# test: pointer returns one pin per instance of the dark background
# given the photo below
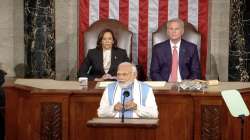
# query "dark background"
(247, 32)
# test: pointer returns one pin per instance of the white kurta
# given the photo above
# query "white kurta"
(148, 111)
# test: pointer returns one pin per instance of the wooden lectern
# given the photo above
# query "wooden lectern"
(114, 129)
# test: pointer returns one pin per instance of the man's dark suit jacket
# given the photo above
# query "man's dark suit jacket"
(93, 63)
(161, 63)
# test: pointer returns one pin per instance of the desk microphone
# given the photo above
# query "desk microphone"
(125, 94)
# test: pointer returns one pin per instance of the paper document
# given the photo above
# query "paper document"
(103, 84)
(156, 84)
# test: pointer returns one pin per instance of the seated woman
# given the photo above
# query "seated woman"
(102, 62)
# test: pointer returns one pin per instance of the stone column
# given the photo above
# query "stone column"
(39, 30)
(66, 39)
(238, 51)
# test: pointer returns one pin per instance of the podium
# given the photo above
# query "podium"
(114, 129)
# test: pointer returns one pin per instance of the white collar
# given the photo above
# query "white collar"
(107, 51)
(177, 44)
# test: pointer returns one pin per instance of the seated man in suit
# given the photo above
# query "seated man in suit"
(175, 59)
(101, 63)
(140, 102)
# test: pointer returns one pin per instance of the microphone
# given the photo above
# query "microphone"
(125, 94)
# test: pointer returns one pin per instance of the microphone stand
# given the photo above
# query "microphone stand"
(242, 126)
(123, 109)
(125, 94)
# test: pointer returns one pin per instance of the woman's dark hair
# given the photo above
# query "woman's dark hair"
(100, 36)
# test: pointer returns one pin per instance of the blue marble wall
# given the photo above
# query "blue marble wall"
(239, 68)
(39, 38)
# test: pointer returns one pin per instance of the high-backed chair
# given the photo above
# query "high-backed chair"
(190, 34)
(121, 33)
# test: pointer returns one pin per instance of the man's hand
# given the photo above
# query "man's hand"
(118, 107)
(130, 105)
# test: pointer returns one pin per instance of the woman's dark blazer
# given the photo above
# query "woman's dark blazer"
(92, 67)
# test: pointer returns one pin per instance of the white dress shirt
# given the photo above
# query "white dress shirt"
(106, 60)
(148, 111)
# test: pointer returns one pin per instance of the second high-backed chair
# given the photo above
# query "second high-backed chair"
(190, 34)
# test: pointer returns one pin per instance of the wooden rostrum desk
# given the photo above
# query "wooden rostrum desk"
(114, 129)
(33, 113)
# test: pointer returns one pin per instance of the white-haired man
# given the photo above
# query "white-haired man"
(175, 59)
(139, 104)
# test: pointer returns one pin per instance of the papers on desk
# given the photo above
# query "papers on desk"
(153, 84)
(208, 82)
(103, 84)
(156, 84)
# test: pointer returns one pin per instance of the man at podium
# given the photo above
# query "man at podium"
(128, 95)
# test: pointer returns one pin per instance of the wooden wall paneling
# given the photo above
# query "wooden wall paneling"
(82, 109)
(246, 97)
(207, 116)
(12, 111)
(176, 116)
(51, 117)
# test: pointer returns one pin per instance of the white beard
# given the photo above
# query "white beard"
(124, 84)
